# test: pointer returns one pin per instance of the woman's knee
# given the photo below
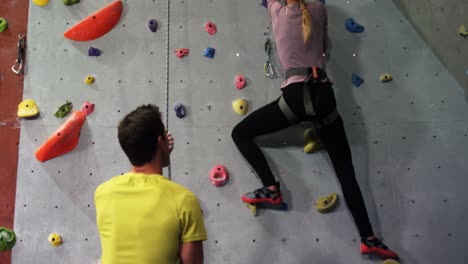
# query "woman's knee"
(236, 133)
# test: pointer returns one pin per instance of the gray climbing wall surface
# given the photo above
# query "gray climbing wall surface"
(408, 137)
(438, 22)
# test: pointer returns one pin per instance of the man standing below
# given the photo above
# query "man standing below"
(142, 217)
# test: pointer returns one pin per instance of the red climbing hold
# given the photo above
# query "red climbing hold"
(87, 108)
(97, 24)
(219, 175)
(64, 140)
(182, 52)
(240, 82)
(210, 27)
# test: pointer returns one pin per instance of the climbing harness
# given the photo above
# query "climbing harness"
(16, 68)
(268, 68)
(317, 75)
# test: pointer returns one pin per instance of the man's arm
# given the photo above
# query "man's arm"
(191, 252)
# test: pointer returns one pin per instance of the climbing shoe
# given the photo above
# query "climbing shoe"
(375, 246)
(264, 195)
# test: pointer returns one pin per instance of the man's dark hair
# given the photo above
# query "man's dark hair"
(138, 134)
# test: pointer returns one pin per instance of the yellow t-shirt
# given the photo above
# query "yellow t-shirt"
(143, 219)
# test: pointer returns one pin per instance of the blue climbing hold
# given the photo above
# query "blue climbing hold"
(153, 25)
(209, 52)
(265, 3)
(94, 52)
(357, 80)
(353, 27)
(323, 1)
(180, 110)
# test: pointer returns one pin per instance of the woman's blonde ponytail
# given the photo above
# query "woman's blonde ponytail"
(306, 23)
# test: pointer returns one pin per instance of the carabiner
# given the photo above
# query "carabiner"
(269, 72)
(268, 68)
(16, 68)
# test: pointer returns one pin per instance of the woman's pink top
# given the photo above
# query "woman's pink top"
(287, 28)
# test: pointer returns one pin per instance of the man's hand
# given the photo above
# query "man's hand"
(171, 141)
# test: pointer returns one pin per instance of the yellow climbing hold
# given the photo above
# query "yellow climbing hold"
(41, 2)
(240, 106)
(89, 80)
(55, 240)
(390, 261)
(312, 141)
(463, 31)
(327, 203)
(253, 209)
(386, 77)
(28, 108)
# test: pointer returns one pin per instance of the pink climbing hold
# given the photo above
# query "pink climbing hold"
(87, 108)
(219, 175)
(210, 27)
(240, 82)
(182, 52)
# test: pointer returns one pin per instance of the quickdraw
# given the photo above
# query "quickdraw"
(16, 68)
(268, 68)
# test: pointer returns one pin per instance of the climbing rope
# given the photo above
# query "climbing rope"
(167, 77)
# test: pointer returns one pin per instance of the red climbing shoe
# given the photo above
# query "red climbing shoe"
(264, 195)
(375, 246)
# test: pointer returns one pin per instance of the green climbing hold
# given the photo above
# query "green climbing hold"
(64, 110)
(3, 24)
(70, 2)
(7, 239)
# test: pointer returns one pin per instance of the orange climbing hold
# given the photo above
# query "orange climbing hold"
(97, 24)
(64, 139)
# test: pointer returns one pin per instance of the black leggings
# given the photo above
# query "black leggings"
(270, 118)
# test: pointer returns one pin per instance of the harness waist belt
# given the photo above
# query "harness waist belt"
(317, 73)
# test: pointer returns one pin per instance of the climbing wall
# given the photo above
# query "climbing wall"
(407, 136)
(439, 25)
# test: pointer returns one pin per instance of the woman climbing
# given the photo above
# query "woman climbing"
(300, 31)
